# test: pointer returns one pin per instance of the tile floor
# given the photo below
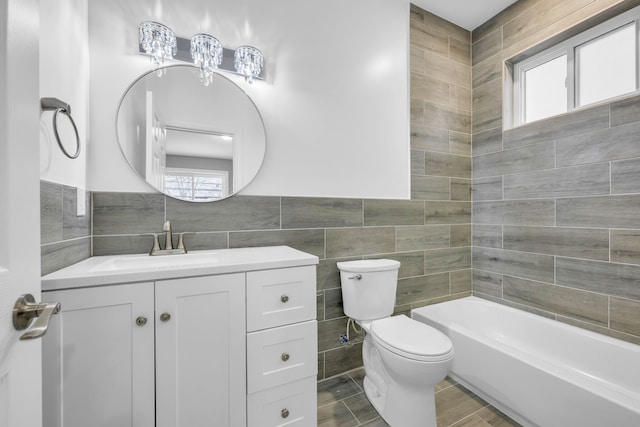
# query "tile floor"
(342, 403)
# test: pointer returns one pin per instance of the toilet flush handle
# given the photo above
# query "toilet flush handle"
(356, 277)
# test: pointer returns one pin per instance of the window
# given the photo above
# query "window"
(596, 65)
(545, 89)
(196, 185)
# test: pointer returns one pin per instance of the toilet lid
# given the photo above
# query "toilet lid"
(412, 339)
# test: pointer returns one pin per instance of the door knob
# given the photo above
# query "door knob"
(165, 317)
(26, 309)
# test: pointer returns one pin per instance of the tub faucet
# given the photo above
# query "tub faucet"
(168, 242)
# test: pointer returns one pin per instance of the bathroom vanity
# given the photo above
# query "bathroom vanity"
(224, 338)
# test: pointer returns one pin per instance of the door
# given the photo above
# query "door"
(201, 352)
(156, 146)
(98, 358)
(20, 361)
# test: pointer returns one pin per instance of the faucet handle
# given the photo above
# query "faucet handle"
(181, 245)
(156, 243)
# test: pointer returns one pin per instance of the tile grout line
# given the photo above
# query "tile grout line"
(471, 415)
(350, 411)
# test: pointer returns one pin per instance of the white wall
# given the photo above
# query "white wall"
(335, 100)
(64, 74)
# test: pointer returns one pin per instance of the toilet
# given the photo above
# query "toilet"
(403, 359)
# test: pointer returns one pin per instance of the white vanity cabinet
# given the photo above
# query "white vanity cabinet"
(200, 351)
(102, 357)
(98, 355)
(230, 345)
(282, 347)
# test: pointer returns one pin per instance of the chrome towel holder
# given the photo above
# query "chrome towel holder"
(61, 107)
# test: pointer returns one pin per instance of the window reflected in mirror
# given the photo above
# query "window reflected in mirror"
(188, 141)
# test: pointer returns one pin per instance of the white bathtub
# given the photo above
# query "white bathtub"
(539, 371)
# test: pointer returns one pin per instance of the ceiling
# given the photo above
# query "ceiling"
(467, 14)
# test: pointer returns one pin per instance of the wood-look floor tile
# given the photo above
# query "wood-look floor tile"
(472, 421)
(335, 389)
(336, 415)
(342, 402)
(496, 418)
(378, 422)
(455, 403)
(360, 406)
(358, 376)
(445, 383)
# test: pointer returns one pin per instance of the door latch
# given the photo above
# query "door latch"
(26, 309)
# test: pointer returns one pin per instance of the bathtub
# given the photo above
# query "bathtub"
(539, 371)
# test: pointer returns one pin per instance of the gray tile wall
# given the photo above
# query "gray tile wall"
(556, 203)
(436, 259)
(429, 234)
(65, 238)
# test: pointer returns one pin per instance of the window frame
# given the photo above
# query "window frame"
(568, 47)
(223, 175)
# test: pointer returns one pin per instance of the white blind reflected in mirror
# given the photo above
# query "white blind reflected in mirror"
(607, 66)
(546, 89)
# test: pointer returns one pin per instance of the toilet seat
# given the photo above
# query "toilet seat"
(411, 339)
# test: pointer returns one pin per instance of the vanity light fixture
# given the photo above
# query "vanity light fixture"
(248, 61)
(158, 41)
(202, 50)
(206, 52)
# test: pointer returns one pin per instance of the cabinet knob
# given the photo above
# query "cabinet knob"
(284, 357)
(284, 298)
(165, 317)
(284, 413)
(141, 321)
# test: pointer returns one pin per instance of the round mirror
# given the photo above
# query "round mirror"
(190, 141)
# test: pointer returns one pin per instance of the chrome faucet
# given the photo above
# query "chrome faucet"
(168, 242)
(168, 236)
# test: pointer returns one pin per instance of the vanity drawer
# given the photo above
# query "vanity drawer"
(293, 404)
(280, 297)
(280, 355)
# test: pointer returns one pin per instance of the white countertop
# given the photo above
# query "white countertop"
(115, 269)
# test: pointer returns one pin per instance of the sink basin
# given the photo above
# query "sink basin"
(162, 262)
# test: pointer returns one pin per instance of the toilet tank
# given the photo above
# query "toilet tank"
(369, 287)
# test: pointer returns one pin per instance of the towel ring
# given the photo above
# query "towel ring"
(61, 107)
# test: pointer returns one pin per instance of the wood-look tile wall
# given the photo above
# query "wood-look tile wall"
(65, 238)
(429, 234)
(436, 259)
(556, 203)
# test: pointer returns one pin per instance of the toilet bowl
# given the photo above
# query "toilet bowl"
(403, 359)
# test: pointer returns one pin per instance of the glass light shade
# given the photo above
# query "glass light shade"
(206, 52)
(158, 41)
(249, 62)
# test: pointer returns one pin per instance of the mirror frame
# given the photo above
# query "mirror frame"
(216, 75)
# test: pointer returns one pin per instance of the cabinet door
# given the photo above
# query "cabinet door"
(98, 358)
(201, 352)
